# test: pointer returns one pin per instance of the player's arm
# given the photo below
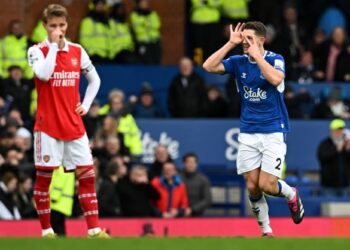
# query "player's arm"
(43, 67)
(214, 63)
(94, 83)
(271, 74)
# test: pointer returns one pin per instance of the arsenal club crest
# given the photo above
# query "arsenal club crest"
(74, 61)
(46, 158)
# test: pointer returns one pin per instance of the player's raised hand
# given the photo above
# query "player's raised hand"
(253, 50)
(236, 36)
(80, 109)
(56, 36)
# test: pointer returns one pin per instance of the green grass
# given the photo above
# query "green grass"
(174, 244)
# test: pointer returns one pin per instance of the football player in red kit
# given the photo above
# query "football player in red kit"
(59, 133)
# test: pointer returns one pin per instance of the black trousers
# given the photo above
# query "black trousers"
(58, 222)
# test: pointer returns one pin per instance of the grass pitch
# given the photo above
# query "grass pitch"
(174, 244)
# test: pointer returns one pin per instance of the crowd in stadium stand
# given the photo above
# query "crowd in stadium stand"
(313, 38)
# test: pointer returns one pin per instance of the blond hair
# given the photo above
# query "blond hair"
(54, 10)
(116, 93)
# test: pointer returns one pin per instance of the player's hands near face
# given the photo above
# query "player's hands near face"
(253, 50)
(80, 109)
(236, 36)
(56, 36)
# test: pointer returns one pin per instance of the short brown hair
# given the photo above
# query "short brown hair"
(54, 10)
(258, 27)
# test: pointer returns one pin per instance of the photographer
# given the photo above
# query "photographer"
(334, 157)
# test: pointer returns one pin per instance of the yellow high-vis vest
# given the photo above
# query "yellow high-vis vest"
(14, 53)
(235, 9)
(94, 37)
(62, 191)
(203, 13)
(120, 36)
(146, 27)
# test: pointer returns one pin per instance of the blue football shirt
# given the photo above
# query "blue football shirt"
(262, 105)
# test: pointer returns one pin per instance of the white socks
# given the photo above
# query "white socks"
(45, 232)
(285, 190)
(93, 231)
(261, 212)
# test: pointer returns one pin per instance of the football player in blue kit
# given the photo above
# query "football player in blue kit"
(259, 76)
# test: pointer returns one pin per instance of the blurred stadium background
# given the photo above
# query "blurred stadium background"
(311, 35)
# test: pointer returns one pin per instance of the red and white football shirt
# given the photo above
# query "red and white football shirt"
(58, 97)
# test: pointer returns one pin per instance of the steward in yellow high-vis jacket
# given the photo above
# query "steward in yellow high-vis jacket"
(14, 48)
(146, 25)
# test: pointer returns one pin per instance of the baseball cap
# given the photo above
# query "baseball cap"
(337, 124)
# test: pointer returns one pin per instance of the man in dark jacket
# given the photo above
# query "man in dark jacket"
(137, 195)
(17, 91)
(197, 185)
(108, 198)
(187, 93)
(334, 157)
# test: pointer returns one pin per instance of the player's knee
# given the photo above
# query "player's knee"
(268, 186)
(253, 187)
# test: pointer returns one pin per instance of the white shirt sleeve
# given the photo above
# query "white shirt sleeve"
(94, 82)
(43, 67)
(86, 64)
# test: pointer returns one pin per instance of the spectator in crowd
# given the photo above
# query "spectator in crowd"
(291, 39)
(108, 198)
(334, 157)
(331, 18)
(23, 141)
(17, 91)
(111, 149)
(173, 200)
(234, 104)
(25, 197)
(161, 156)
(186, 93)
(306, 103)
(291, 101)
(137, 195)
(94, 32)
(92, 120)
(145, 24)
(205, 19)
(7, 140)
(126, 122)
(122, 44)
(146, 106)
(8, 187)
(333, 106)
(304, 72)
(14, 50)
(197, 185)
(330, 56)
(216, 106)
(108, 130)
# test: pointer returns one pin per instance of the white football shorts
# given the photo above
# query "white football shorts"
(261, 150)
(50, 153)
